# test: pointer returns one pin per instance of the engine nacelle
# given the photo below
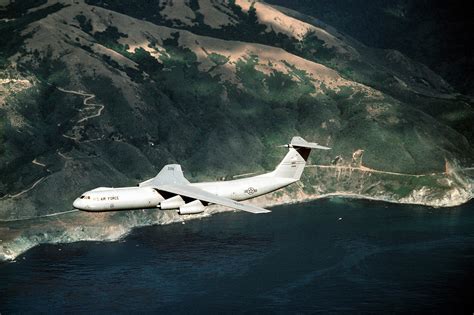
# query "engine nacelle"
(172, 203)
(193, 207)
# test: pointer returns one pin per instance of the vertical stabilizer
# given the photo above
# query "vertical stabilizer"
(293, 163)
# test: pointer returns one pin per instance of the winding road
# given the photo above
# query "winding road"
(370, 170)
(87, 98)
(87, 104)
(32, 186)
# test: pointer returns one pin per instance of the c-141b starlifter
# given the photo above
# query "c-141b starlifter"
(171, 190)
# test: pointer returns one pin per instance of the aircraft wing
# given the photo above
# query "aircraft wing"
(199, 194)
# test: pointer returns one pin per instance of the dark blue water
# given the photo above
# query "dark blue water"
(302, 258)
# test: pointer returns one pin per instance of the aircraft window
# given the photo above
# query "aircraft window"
(82, 197)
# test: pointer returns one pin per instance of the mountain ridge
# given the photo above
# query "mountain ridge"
(93, 97)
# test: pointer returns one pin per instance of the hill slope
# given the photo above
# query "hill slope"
(93, 97)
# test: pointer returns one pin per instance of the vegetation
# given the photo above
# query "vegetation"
(179, 113)
(84, 23)
(312, 48)
(246, 29)
(194, 107)
(47, 114)
(429, 31)
(189, 107)
(16, 9)
(219, 60)
(381, 28)
(249, 29)
(11, 39)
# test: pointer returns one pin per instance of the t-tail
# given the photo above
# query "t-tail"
(292, 165)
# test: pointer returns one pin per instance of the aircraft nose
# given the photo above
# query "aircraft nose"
(78, 204)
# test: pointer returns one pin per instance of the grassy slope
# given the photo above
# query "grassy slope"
(188, 112)
(374, 69)
(432, 32)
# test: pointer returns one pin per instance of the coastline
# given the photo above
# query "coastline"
(18, 236)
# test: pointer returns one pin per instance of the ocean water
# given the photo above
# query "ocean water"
(334, 255)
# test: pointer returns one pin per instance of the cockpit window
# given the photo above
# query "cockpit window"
(85, 197)
(82, 197)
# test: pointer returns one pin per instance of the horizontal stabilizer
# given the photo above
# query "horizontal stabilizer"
(298, 142)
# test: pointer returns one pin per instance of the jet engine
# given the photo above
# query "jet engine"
(192, 207)
(172, 203)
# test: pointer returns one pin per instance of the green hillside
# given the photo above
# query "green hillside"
(179, 97)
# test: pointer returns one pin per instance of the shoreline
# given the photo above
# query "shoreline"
(388, 200)
(11, 249)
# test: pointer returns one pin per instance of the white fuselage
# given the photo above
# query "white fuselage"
(110, 199)
(245, 188)
(169, 189)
